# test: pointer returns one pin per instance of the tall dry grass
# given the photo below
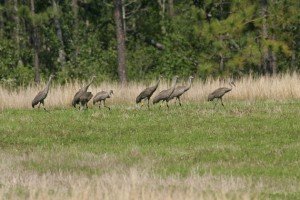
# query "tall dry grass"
(17, 182)
(280, 87)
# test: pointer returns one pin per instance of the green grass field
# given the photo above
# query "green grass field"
(256, 143)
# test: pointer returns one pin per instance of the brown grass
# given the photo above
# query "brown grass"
(280, 87)
(17, 182)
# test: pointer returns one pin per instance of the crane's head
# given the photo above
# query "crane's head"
(191, 77)
(210, 97)
(111, 92)
(232, 83)
(52, 76)
(175, 79)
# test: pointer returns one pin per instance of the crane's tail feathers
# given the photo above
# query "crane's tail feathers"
(155, 101)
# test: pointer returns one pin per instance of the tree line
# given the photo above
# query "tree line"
(139, 39)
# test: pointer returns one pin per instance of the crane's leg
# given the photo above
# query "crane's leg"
(148, 103)
(222, 102)
(99, 104)
(167, 104)
(142, 102)
(215, 101)
(39, 105)
(161, 104)
(105, 105)
(175, 102)
(179, 100)
(81, 106)
(43, 105)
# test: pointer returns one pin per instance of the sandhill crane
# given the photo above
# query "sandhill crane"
(147, 93)
(80, 92)
(84, 99)
(220, 92)
(102, 96)
(165, 94)
(41, 96)
(180, 90)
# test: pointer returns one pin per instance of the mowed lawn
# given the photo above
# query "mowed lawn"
(254, 141)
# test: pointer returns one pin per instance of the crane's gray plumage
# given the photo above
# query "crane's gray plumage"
(41, 96)
(102, 96)
(84, 99)
(165, 94)
(82, 91)
(220, 92)
(180, 90)
(147, 93)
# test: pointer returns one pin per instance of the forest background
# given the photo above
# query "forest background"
(135, 40)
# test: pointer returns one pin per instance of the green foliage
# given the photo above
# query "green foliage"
(194, 42)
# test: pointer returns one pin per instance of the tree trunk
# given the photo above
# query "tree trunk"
(162, 14)
(1, 24)
(124, 18)
(62, 53)
(264, 32)
(75, 8)
(75, 28)
(269, 63)
(35, 41)
(273, 60)
(37, 78)
(17, 27)
(170, 8)
(269, 60)
(121, 41)
(221, 64)
(293, 61)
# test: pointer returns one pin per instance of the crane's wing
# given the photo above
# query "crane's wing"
(145, 93)
(177, 92)
(100, 96)
(76, 98)
(39, 97)
(86, 96)
(220, 92)
(163, 95)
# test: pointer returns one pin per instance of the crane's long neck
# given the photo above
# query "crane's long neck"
(157, 83)
(190, 84)
(174, 84)
(48, 84)
(88, 85)
(230, 86)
